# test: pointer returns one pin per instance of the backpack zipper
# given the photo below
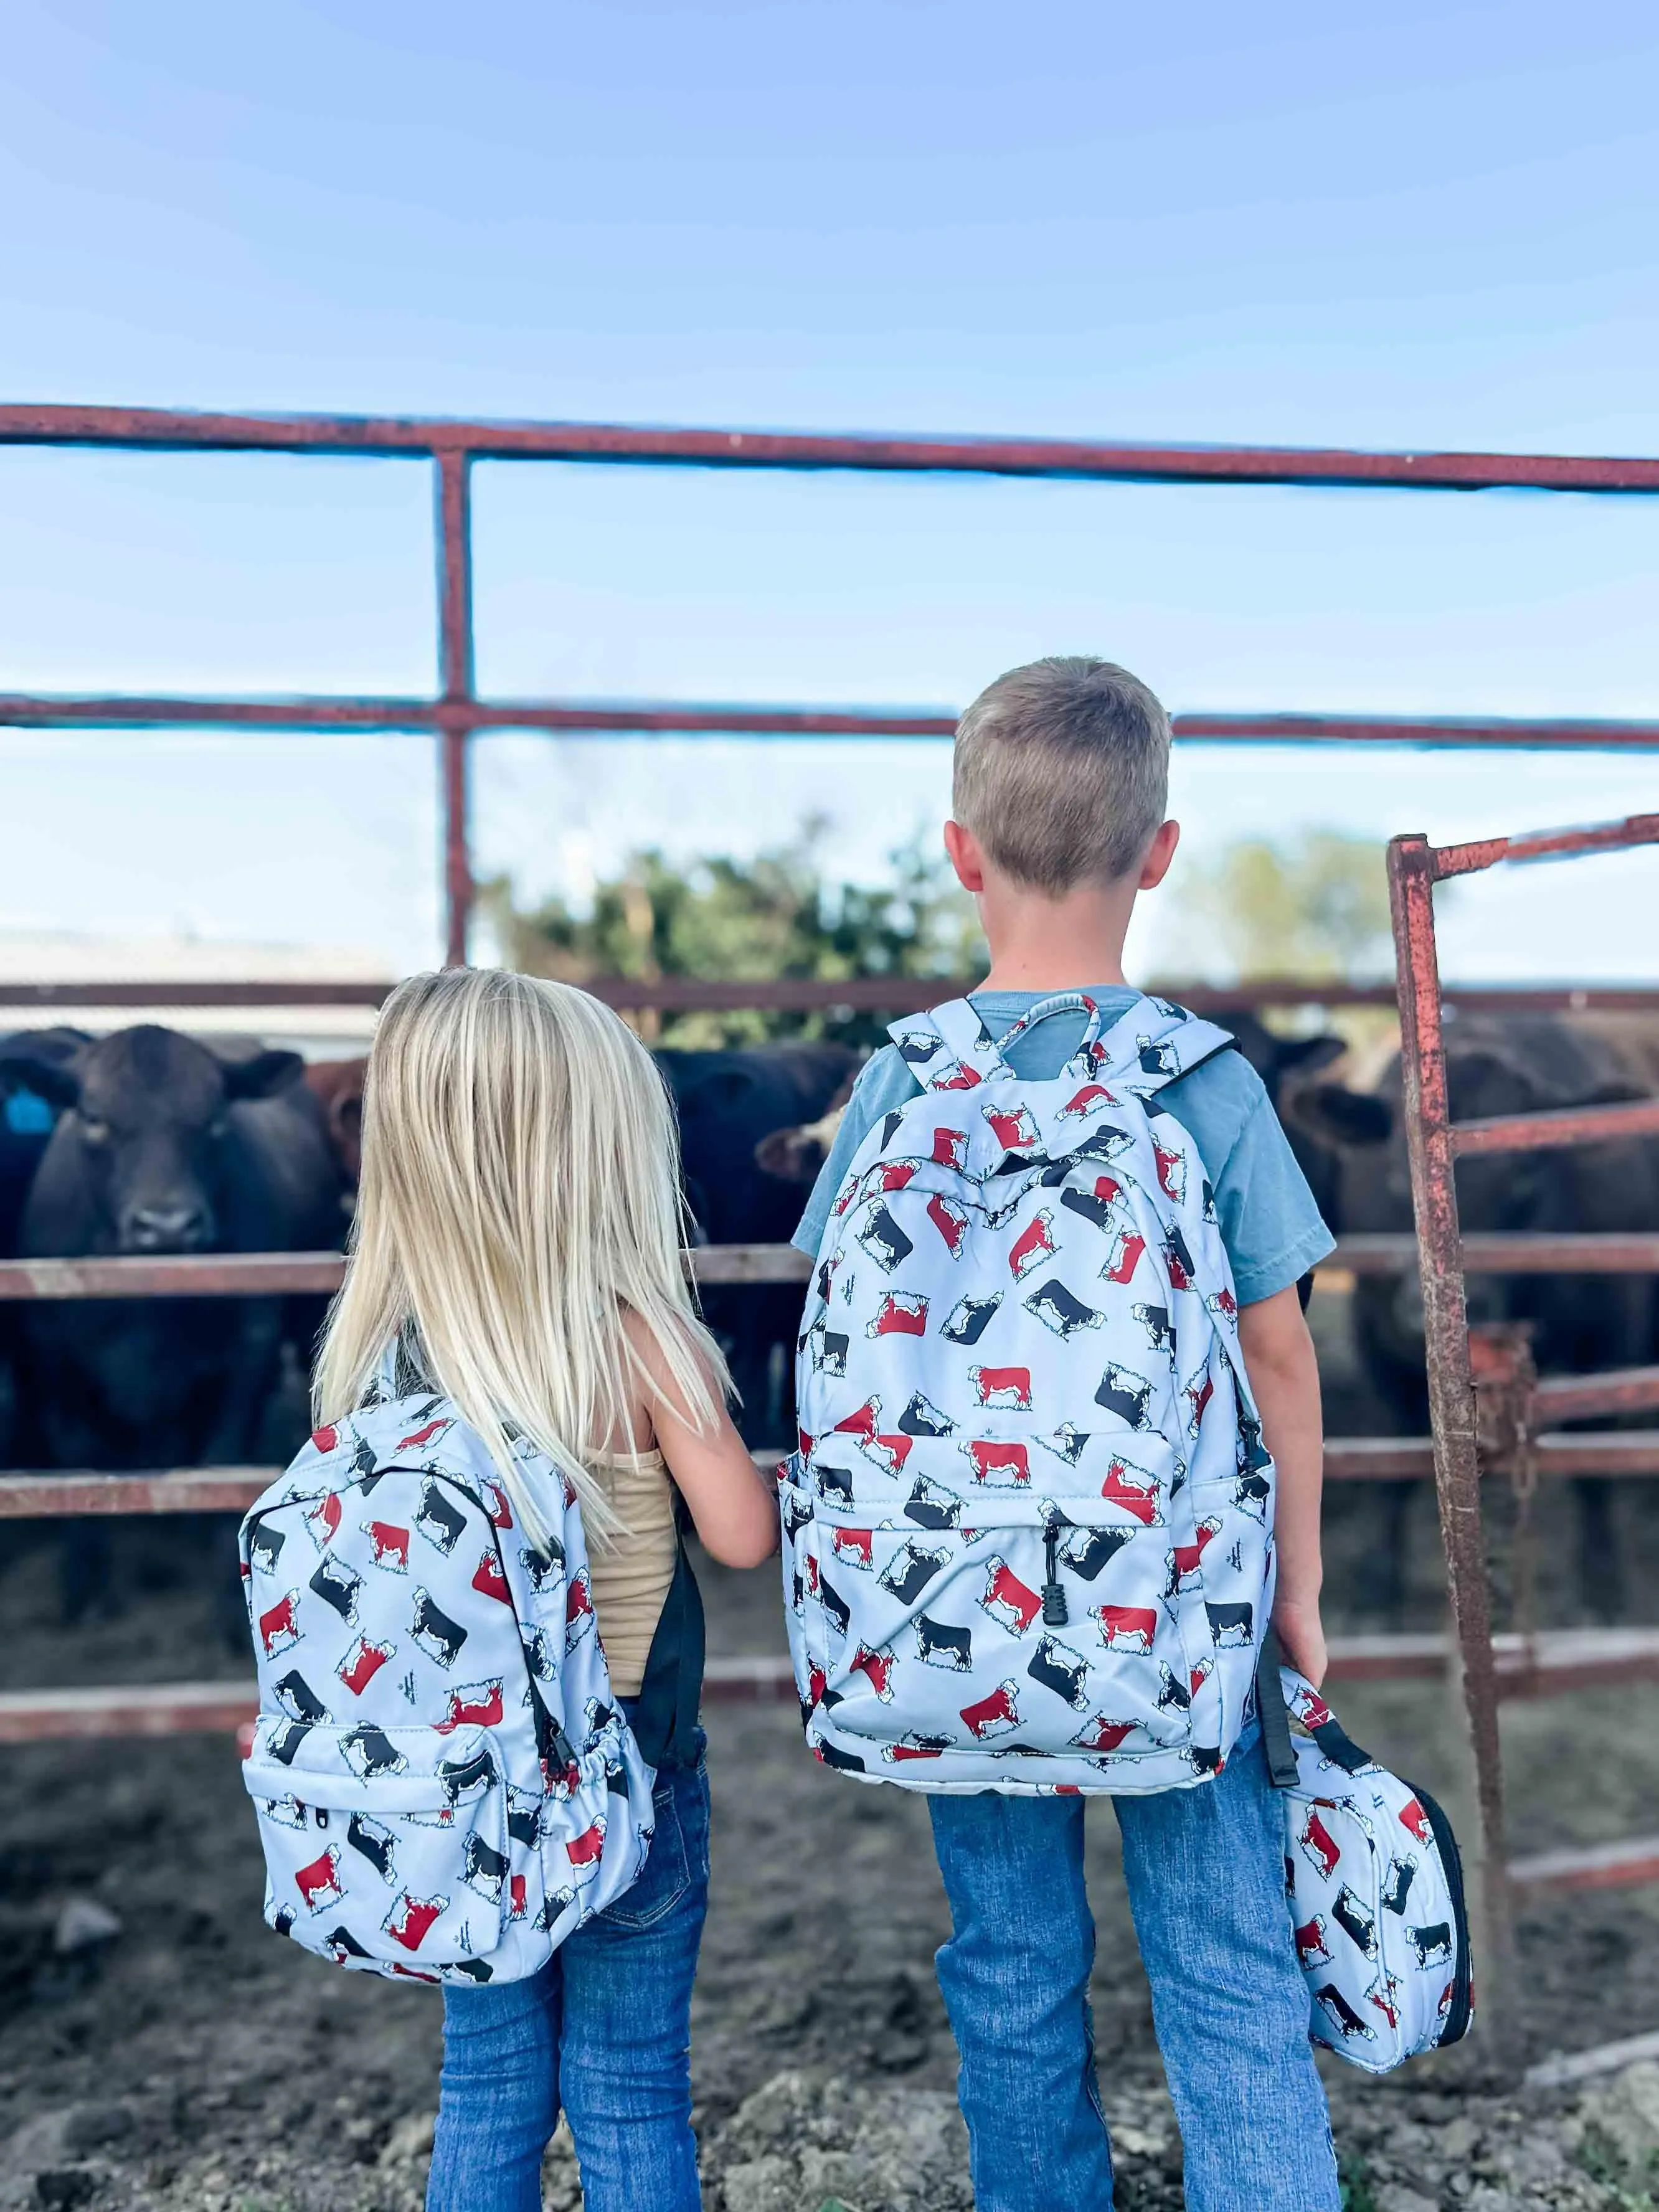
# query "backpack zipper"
(1056, 1613)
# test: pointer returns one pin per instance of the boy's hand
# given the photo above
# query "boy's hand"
(1302, 1636)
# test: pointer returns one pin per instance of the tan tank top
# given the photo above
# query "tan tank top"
(630, 1575)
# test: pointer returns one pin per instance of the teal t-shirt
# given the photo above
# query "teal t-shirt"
(1269, 1222)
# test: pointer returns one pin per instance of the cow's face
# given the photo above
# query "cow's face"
(147, 1112)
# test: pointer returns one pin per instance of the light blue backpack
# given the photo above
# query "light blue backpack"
(445, 1787)
(1029, 1526)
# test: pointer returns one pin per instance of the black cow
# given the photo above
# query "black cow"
(161, 1147)
(1510, 1064)
(727, 1102)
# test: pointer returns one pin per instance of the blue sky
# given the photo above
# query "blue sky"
(1433, 226)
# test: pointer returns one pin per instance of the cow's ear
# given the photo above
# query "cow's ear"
(1336, 1116)
(47, 1065)
(263, 1074)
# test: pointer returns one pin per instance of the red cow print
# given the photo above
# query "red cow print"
(1311, 1949)
(961, 1078)
(1015, 1132)
(1127, 1627)
(1322, 1850)
(1224, 1303)
(586, 1850)
(1136, 1497)
(1198, 1394)
(863, 1422)
(1002, 1464)
(1172, 1172)
(479, 1705)
(1184, 1561)
(489, 1580)
(1008, 1599)
(894, 1174)
(279, 1626)
(388, 1545)
(1103, 1734)
(851, 1547)
(501, 1512)
(1411, 1817)
(877, 1669)
(517, 1897)
(363, 1663)
(424, 1436)
(950, 1149)
(1033, 1245)
(915, 1746)
(578, 1608)
(323, 1520)
(995, 1715)
(901, 1313)
(888, 1453)
(319, 1884)
(326, 1438)
(409, 1921)
(1124, 1257)
(1002, 1386)
(1089, 1100)
(951, 1222)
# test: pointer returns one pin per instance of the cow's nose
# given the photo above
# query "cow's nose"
(166, 1228)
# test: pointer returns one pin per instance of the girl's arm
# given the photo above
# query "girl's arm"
(736, 1512)
(1278, 1358)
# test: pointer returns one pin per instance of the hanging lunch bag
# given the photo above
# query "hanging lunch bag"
(1375, 1886)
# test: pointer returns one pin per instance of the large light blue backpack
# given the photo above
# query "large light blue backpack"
(1029, 1526)
(445, 1784)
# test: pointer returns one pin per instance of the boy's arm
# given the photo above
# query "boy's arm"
(1278, 1358)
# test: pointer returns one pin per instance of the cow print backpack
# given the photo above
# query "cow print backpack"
(1028, 1528)
(1375, 1885)
(446, 1787)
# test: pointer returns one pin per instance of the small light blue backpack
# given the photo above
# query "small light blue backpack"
(446, 1786)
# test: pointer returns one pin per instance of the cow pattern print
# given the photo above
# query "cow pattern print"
(1027, 1527)
(445, 1786)
(1375, 1894)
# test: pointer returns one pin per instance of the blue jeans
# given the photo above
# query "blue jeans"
(605, 2030)
(1206, 1874)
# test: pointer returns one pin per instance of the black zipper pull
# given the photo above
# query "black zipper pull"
(1054, 1613)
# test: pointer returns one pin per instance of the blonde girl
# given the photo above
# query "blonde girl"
(518, 1241)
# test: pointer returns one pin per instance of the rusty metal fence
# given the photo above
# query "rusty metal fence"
(1517, 1665)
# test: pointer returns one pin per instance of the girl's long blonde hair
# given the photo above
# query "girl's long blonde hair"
(520, 1202)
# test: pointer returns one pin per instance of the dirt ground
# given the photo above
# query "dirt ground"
(159, 2048)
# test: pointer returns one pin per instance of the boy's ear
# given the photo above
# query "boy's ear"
(1155, 865)
(965, 856)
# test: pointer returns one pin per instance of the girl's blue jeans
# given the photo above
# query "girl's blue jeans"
(1206, 1874)
(604, 2033)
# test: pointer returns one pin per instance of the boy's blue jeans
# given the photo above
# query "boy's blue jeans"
(1206, 1874)
(603, 2031)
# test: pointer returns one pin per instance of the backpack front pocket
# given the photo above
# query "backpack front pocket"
(383, 1847)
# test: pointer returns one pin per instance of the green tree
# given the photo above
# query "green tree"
(725, 920)
(1315, 906)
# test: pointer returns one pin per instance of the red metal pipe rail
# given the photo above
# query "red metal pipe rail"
(267, 1274)
(895, 995)
(451, 447)
(438, 437)
(1434, 1143)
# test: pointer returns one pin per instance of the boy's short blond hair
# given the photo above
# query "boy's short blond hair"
(1062, 771)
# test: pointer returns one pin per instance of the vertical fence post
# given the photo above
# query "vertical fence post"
(1451, 1388)
(456, 685)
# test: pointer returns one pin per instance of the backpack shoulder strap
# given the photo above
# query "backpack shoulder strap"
(948, 1048)
(1154, 1042)
(665, 1716)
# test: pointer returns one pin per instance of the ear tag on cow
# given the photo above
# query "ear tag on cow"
(1054, 1613)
